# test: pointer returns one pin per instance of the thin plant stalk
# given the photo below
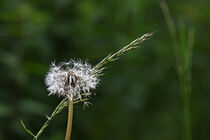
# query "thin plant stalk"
(182, 42)
(185, 83)
(58, 109)
(70, 119)
(64, 103)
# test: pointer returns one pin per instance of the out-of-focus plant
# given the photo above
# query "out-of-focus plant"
(182, 42)
(74, 81)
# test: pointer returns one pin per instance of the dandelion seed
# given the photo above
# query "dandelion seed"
(86, 104)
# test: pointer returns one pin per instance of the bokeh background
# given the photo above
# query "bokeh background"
(138, 97)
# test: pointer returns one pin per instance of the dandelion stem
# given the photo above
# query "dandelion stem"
(70, 118)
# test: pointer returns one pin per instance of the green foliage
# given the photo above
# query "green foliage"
(138, 98)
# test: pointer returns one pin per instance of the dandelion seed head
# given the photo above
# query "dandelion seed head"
(72, 79)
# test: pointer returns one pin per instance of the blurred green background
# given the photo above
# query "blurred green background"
(138, 97)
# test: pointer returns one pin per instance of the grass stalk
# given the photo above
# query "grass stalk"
(182, 41)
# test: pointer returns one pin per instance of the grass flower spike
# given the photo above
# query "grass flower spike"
(74, 80)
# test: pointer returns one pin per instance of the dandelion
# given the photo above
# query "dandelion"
(74, 80)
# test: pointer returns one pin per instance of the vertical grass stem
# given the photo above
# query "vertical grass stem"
(183, 44)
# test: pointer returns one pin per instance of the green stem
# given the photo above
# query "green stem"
(185, 93)
(58, 109)
(183, 55)
(70, 118)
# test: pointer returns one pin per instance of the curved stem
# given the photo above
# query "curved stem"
(70, 118)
